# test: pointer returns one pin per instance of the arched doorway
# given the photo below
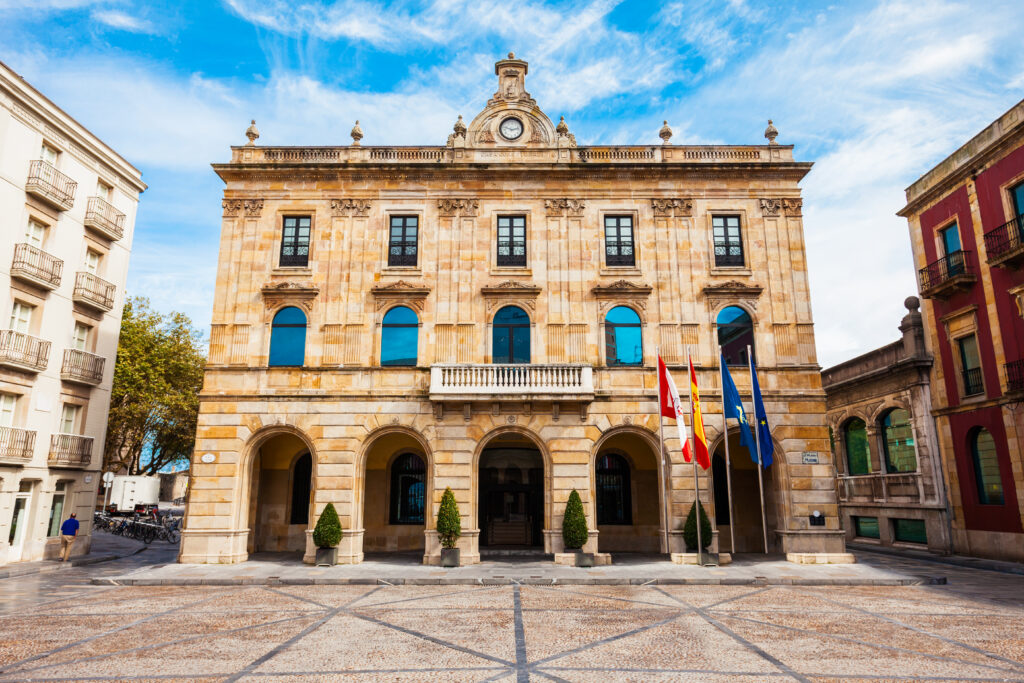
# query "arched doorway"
(395, 485)
(280, 492)
(510, 494)
(746, 499)
(626, 495)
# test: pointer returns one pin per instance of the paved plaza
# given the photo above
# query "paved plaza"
(63, 626)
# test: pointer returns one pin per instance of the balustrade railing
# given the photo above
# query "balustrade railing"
(36, 265)
(23, 351)
(81, 366)
(102, 216)
(517, 379)
(16, 444)
(905, 487)
(941, 272)
(974, 383)
(70, 450)
(94, 291)
(47, 182)
(1005, 240)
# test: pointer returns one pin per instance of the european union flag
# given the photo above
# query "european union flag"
(733, 407)
(764, 434)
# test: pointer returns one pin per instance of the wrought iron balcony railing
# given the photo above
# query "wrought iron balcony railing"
(16, 445)
(23, 351)
(728, 255)
(82, 367)
(618, 253)
(50, 185)
(102, 217)
(1015, 375)
(36, 266)
(950, 273)
(402, 254)
(1005, 244)
(93, 291)
(70, 450)
(484, 382)
(974, 384)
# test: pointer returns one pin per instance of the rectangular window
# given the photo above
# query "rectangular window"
(909, 531)
(866, 527)
(21, 317)
(57, 509)
(512, 241)
(48, 154)
(8, 402)
(35, 233)
(618, 241)
(950, 240)
(970, 365)
(80, 337)
(1018, 200)
(295, 241)
(728, 241)
(92, 261)
(402, 240)
(69, 419)
(103, 191)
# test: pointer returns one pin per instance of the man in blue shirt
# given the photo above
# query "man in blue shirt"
(68, 533)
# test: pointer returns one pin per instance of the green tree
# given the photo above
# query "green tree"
(154, 401)
(327, 532)
(690, 529)
(574, 523)
(449, 522)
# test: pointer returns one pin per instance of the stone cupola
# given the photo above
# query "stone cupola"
(511, 117)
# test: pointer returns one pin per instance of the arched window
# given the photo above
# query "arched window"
(623, 340)
(898, 442)
(288, 337)
(614, 502)
(408, 489)
(511, 336)
(302, 480)
(986, 468)
(735, 334)
(855, 438)
(398, 337)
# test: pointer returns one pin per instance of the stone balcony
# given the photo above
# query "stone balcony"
(70, 450)
(102, 217)
(23, 351)
(16, 445)
(516, 382)
(881, 487)
(93, 291)
(82, 367)
(35, 266)
(53, 187)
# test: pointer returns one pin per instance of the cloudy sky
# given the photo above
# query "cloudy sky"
(875, 93)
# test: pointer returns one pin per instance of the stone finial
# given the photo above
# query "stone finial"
(252, 133)
(562, 128)
(511, 55)
(357, 134)
(460, 127)
(771, 132)
(912, 304)
(665, 133)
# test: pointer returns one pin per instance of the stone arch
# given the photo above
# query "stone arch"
(890, 403)
(528, 435)
(646, 531)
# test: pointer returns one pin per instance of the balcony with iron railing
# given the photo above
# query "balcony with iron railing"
(1015, 376)
(974, 382)
(82, 367)
(16, 445)
(728, 255)
(951, 273)
(102, 217)
(23, 351)
(619, 253)
(882, 487)
(50, 185)
(34, 265)
(469, 382)
(93, 291)
(70, 450)
(402, 254)
(1005, 244)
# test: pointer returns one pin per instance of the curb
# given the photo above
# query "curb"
(490, 581)
(16, 571)
(964, 561)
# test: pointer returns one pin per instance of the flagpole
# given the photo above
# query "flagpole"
(661, 453)
(728, 463)
(693, 453)
(757, 442)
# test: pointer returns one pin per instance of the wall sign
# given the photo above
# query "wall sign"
(810, 458)
(208, 457)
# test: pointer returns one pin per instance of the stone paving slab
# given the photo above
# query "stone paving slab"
(105, 547)
(643, 570)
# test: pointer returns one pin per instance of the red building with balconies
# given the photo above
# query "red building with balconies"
(966, 219)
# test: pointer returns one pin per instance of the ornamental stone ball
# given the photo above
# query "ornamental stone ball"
(665, 134)
(771, 132)
(912, 303)
(252, 133)
(562, 128)
(357, 134)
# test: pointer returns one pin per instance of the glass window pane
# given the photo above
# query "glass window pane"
(866, 527)
(898, 440)
(520, 344)
(56, 513)
(969, 352)
(735, 334)
(287, 346)
(401, 315)
(986, 468)
(909, 530)
(1018, 199)
(951, 239)
(500, 340)
(857, 458)
(398, 345)
(628, 346)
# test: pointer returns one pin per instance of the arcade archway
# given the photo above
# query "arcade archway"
(281, 487)
(510, 493)
(746, 500)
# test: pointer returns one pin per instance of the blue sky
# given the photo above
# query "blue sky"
(874, 92)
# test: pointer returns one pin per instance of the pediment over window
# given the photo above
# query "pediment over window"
(401, 292)
(290, 293)
(511, 292)
(733, 288)
(621, 288)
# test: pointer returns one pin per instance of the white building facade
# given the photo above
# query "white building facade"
(67, 216)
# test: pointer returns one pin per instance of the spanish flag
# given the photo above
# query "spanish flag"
(700, 442)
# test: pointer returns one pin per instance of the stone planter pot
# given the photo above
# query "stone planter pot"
(450, 557)
(584, 559)
(326, 557)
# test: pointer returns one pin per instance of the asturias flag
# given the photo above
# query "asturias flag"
(733, 407)
(700, 442)
(764, 434)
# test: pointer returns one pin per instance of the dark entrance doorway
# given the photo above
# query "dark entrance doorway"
(746, 500)
(511, 503)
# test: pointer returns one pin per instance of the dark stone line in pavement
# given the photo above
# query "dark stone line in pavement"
(388, 603)
(522, 673)
(667, 670)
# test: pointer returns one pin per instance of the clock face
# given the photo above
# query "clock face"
(511, 128)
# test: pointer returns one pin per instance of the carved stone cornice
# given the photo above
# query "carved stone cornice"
(666, 208)
(232, 207)
(291, 293)
(732, 292)
(253, 207)
(458, 207)
(351, 207)
(771, 207)
(512, 293)
(559, 207)
(619, 292)
(793, 207)
(401, 291)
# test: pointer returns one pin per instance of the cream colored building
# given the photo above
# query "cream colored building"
(484, 315)
(67, 211)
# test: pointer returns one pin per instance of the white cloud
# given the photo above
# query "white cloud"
(125, 22)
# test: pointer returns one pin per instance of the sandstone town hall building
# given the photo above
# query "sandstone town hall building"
(485, 315)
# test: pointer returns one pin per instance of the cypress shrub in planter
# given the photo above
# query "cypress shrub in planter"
(327, 536)
(574, 530)
(449, 528)
(690, 530)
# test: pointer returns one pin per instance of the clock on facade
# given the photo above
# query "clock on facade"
(511, 128)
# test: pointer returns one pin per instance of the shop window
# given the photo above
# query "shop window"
(57, 509)
(909, 531)
(866, 527)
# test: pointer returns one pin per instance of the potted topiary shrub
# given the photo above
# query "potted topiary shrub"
(327, 536)
(690, 530)
(449, 528)
(574, 530)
